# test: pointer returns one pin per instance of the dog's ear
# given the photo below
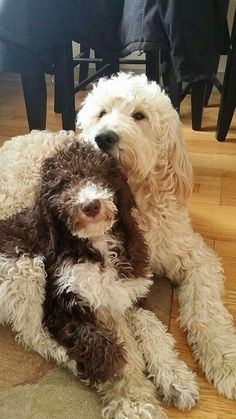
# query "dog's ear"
(17, 234)
(46, 216)
(55, 171)
(179, 165)
(44, 225)
(135, 245)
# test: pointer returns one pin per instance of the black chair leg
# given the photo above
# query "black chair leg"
(57, 98)
(152, 66)
(64, 79)
(115, 65)
(107, 58)
(175, 88)
(208, 91)
(165, 61)
(225, 117)
(228, 99)
(172, 87)
(83, 74)
(84, 67)
(113, 60)
(197, 102)
(98, 54)
(35, 94)
(210, 84)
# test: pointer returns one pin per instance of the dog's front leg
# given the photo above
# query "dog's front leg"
(22, 291)
(211, 334)
(129, 394)
(174, 381)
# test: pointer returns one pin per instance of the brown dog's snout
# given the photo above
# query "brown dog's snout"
(92, 208)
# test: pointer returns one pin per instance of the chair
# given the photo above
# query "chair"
(177, 93)
(228, 98)
(14, 58)
(17, 59)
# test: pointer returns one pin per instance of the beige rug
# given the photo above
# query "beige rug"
(32, 388)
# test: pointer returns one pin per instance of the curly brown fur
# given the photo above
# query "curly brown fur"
(49, 229)
(95, 349)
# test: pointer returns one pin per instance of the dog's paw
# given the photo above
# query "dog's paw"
(131, 409)
(224, 379)
(180, 389)
(226, 385)
(180, 396)
(219, 366)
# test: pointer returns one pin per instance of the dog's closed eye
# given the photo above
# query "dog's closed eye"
(138, 116)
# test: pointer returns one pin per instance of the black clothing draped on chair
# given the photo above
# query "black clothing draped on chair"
(193, 32)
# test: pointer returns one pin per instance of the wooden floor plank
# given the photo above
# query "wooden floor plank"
(214, 164)
(206, 190)
(228, 191)
(216, 222)
(210, 147)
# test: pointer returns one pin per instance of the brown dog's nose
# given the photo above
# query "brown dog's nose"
(92, 208)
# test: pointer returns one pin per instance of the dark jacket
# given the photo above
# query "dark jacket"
(193, 30)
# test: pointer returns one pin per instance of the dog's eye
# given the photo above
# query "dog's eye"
(138, 116)
(101, 114)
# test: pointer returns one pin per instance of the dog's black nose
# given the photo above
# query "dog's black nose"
(106, 140)
(92, 208)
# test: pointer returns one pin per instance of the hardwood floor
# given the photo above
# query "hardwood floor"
(212, 209)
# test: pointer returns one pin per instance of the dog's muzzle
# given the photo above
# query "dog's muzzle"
(106, 140)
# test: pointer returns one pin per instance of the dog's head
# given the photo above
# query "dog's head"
(76, 190)
(133, 120)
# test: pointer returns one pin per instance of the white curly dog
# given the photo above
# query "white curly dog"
(133, 120)
(150, 148)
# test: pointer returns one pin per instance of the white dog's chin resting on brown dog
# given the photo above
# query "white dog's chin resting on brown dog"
(132, 120)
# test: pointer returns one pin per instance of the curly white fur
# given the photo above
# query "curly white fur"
(102, 289)
(175, 382)
(152, 153)
(22, 290)
(20, 163)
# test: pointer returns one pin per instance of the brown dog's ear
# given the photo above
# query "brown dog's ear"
(44, 225)
(46, 218)
(54, 172)
(17, 234)
(30, 231)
